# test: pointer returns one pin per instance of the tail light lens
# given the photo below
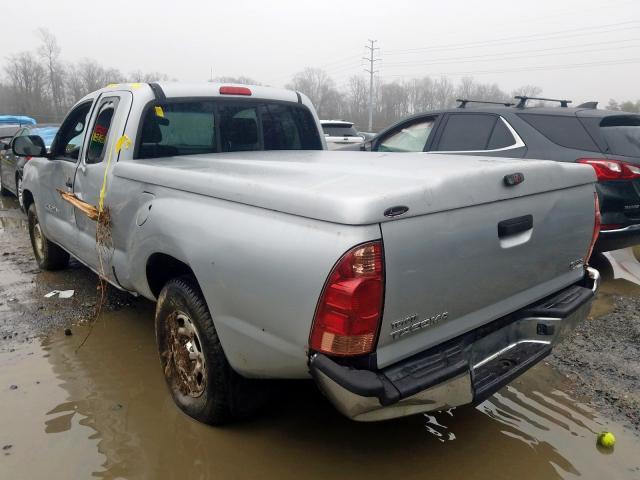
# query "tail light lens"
(612, 169)
(596, 228)
(350, 307)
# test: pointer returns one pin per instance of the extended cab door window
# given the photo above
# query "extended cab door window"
(410, 137)
(100, 132)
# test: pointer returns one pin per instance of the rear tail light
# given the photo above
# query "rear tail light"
(349, 310)
(235, 91)
(612, 169)
(596, 228)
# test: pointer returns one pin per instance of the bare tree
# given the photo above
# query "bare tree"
(318, 86)
(27, 85)
(49, 51)
(240, 80)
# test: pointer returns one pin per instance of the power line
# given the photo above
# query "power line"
(521, 38)
(372, 49)
(509, 56)
(518, 52)
(535, 68)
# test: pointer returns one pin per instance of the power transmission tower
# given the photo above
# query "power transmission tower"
(371, 72)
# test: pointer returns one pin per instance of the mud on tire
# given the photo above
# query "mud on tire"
(48, 255)
(199, 377)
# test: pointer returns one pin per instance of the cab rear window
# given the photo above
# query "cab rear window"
(622, 134)
(211, 126)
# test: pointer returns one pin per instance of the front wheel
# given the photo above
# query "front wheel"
(48, 255)
(199, 377)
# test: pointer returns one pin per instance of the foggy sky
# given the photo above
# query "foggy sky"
(269, 41)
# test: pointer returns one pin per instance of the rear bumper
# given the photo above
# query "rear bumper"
(609, 240)
(464, 370)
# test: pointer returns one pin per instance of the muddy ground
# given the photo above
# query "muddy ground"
(103, 410)
(602, 357)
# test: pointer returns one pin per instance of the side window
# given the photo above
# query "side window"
(563, 130)
(501, 137)
(68, 141)
(100, 132)
(410, 138)
(466, 132)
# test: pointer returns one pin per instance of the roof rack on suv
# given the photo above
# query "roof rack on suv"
(464, 101)
(523, 101)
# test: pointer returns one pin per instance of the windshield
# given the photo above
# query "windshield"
(622, 134)
(339, 130)
(47, 134)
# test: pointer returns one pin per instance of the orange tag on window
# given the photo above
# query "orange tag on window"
(159, 112)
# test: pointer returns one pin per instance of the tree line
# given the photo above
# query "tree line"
(43, 85)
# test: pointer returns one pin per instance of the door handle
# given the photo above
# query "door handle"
(515, 225)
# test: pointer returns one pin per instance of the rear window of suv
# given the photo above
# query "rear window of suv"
(563, 130)
(210, 126)
(622, 134)
(339, 130)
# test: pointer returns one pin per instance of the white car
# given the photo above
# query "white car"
(339, 133)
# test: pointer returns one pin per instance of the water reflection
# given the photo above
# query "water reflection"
(114, 386)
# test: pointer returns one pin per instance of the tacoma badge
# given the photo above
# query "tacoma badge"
(413, 323)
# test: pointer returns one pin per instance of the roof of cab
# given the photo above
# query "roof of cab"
(199, 90)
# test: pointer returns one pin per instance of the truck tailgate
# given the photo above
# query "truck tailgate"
(452, 271)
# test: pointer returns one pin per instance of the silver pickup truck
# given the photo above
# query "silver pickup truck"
(399, 283)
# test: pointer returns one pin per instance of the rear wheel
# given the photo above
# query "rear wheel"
(48, 255)
(198, 375)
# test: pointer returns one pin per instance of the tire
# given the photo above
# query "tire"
(201, 381)
(48, 255)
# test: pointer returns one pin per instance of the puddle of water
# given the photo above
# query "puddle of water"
(105, 411)
(610, 288)
(9, 201)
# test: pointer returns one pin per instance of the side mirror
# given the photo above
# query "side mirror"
(29, 146)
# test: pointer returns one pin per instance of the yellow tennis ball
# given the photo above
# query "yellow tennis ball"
(607, 439)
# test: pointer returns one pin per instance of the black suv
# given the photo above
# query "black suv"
(607, 140)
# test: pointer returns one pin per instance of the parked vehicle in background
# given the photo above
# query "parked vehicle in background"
(607, 140)
(369, 273)
(339, 133)
(11, 166)
(16, 120)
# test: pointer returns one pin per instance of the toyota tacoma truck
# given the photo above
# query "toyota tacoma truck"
(400, 286)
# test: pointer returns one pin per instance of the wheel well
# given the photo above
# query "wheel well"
(27, 199)
(161, 268)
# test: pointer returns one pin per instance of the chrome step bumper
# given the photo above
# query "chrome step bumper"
(467, 369)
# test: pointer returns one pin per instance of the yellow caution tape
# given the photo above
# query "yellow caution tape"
(123, 141)
(159, 112)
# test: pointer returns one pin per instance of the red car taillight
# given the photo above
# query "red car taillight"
(349, 310)
(596, 228)
(612, 169)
